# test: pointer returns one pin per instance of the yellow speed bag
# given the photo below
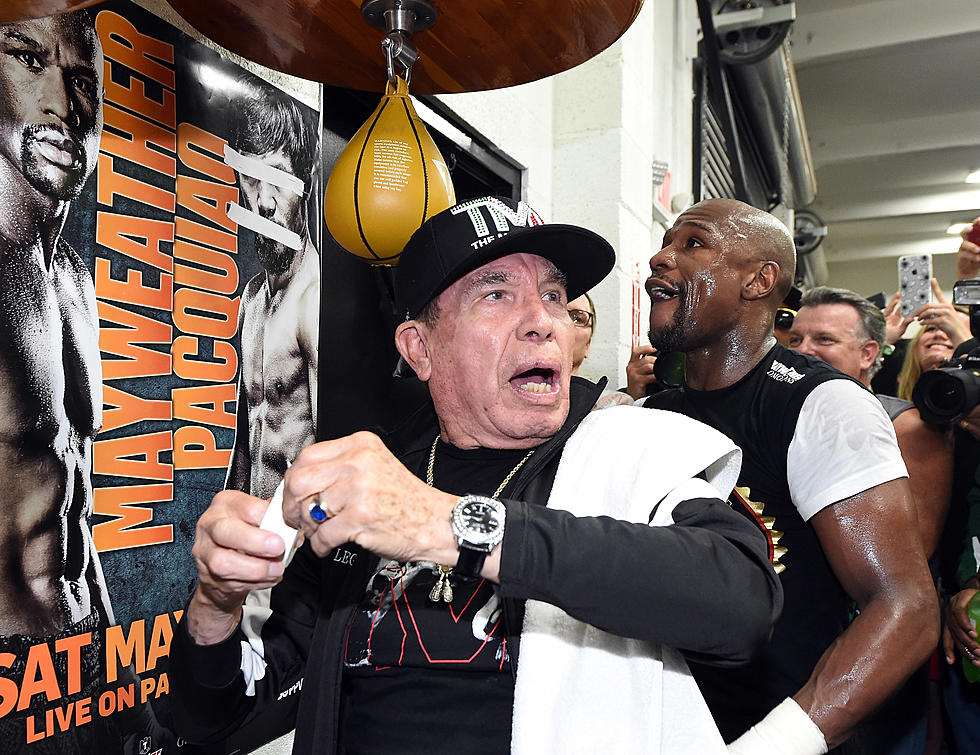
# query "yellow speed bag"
(389, 180)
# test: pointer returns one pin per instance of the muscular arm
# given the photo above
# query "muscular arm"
(307, 336)
(866, 540)
(928, 455)
(240, 466)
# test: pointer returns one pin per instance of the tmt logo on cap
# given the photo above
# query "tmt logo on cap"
(503, 217)
(474, 232)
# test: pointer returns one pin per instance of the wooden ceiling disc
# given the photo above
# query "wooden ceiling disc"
(22, 10)
(472, 46)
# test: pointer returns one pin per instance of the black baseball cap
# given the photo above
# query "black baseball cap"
(461, 238)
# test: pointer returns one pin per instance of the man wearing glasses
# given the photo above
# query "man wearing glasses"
(582, 312)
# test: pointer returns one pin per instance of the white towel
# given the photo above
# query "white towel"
(582, 690)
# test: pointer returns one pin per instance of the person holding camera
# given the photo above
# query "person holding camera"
(960, 548)
(942, 328)
(937, 315)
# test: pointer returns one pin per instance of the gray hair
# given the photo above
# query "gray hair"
(871, 319)
(429, 315)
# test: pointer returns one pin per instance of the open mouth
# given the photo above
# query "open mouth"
(536, 380)
(661, 290)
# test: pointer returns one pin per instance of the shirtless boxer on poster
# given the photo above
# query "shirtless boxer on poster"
(51, 405)
(274, 153)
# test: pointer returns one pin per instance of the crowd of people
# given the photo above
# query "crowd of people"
(751, 559)
(850, 333)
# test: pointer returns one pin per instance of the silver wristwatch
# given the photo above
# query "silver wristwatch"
(478, 524)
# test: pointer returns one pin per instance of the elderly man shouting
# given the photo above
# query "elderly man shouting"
(505, 572)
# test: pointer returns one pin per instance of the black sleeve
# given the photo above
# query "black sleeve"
(209, 697)
(703, 585)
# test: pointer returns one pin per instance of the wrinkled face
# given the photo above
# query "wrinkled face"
(933, 347)
(280, 205)
(500, 354)
(833, 333)
(51, 102)
(695, 279)
(583, 332)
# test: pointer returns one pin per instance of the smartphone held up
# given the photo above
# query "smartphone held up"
(914, 282)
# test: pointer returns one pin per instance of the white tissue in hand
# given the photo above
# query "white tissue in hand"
(272, 521)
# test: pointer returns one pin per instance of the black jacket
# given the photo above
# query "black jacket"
(704, 586)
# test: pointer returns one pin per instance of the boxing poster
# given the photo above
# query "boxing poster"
(159, 298)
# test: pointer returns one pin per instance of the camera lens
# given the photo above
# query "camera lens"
(947, 393)
(946, 397)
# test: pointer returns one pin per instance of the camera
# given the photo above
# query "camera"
(953, 389)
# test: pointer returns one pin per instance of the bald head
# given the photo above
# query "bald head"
(724, 268)
(758, 237)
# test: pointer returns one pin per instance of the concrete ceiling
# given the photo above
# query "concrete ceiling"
(891, 99)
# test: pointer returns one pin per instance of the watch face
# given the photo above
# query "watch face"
(478, 521)
(480, 517)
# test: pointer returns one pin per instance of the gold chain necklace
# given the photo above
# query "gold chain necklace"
(443, 590)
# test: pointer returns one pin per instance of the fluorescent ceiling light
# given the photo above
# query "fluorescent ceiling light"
(973, 177)
(956, 228)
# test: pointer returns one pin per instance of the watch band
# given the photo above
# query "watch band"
(470, 562)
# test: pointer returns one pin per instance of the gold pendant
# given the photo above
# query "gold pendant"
(443, 589)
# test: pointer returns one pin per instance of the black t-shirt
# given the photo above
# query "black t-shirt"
(759, 413)
(437, 673)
